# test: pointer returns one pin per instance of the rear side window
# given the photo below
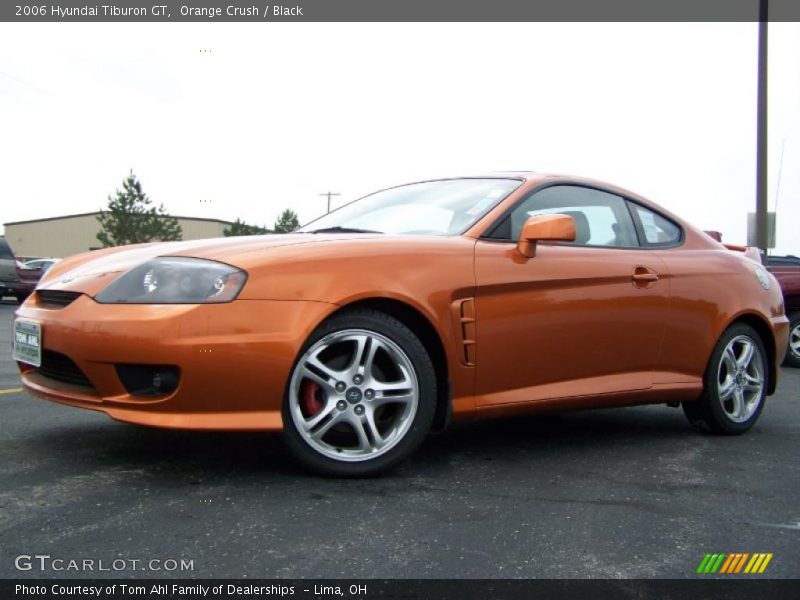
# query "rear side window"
(657, 229)
(5, 250)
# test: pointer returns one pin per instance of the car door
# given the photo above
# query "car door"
(579, 318)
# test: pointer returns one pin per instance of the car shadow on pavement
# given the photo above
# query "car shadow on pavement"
(109, 445)
(555, 434)
(104, 444)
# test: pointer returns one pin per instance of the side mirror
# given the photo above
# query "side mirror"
(560, 228)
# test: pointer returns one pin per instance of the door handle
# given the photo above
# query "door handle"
(644, 277)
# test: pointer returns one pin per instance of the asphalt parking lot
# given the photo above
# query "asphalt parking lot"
(632, 493)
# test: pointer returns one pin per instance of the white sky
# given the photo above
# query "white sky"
(277, 113)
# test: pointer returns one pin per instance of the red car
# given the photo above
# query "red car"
(786, 270)
(28, 278)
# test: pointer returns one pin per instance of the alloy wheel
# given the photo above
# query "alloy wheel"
(353, 395)
(740, 378)
(794, 340)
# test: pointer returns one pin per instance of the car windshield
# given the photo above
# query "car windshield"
(445, 207)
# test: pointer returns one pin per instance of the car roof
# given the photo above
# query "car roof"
(521, 175)
(535, 177)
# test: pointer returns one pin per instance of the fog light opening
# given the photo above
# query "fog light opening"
(165, 380)
(148, 380)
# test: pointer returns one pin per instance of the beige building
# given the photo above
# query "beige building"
(62, 236)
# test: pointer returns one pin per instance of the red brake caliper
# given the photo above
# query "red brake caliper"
(309, 398)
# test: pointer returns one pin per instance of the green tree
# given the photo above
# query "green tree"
(131, 218)
(239, 227)
(287, 222)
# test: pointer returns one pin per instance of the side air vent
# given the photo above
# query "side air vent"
(55, 298)
(464, 317)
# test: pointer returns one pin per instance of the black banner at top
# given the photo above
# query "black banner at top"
(265, 11)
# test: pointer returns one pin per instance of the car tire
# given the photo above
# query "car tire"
(361, 396)
(734, 384)
(793, 351)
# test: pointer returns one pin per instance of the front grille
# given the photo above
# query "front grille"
(61, 368)
(56, 298)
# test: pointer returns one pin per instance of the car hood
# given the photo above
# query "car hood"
(91, 272)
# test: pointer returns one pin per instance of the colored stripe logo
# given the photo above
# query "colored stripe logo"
(737, 562)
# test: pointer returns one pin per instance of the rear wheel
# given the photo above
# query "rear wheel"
(734, 385)
(793, 351)
(361, 396)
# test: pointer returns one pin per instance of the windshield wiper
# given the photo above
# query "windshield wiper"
(338, 229)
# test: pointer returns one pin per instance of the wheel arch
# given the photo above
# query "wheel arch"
(424, 329)
(764, 331)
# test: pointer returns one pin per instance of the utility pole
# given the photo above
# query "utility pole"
(329, 194)
(761, 130)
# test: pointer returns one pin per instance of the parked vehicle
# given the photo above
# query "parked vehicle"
(10, 282)
(786, 270)
(29, 277)
(455, 298)
(41, 263)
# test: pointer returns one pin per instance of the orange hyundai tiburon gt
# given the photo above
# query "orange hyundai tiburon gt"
(419, 304)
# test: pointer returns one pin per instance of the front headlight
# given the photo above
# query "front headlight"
(175, 280)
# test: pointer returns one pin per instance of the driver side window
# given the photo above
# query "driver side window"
(601, 219)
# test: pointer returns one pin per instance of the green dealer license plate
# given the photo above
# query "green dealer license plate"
(28, 342)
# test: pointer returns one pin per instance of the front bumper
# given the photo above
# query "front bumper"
(234, 359)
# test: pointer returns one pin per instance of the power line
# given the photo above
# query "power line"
(780, 172)
(329, 194)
